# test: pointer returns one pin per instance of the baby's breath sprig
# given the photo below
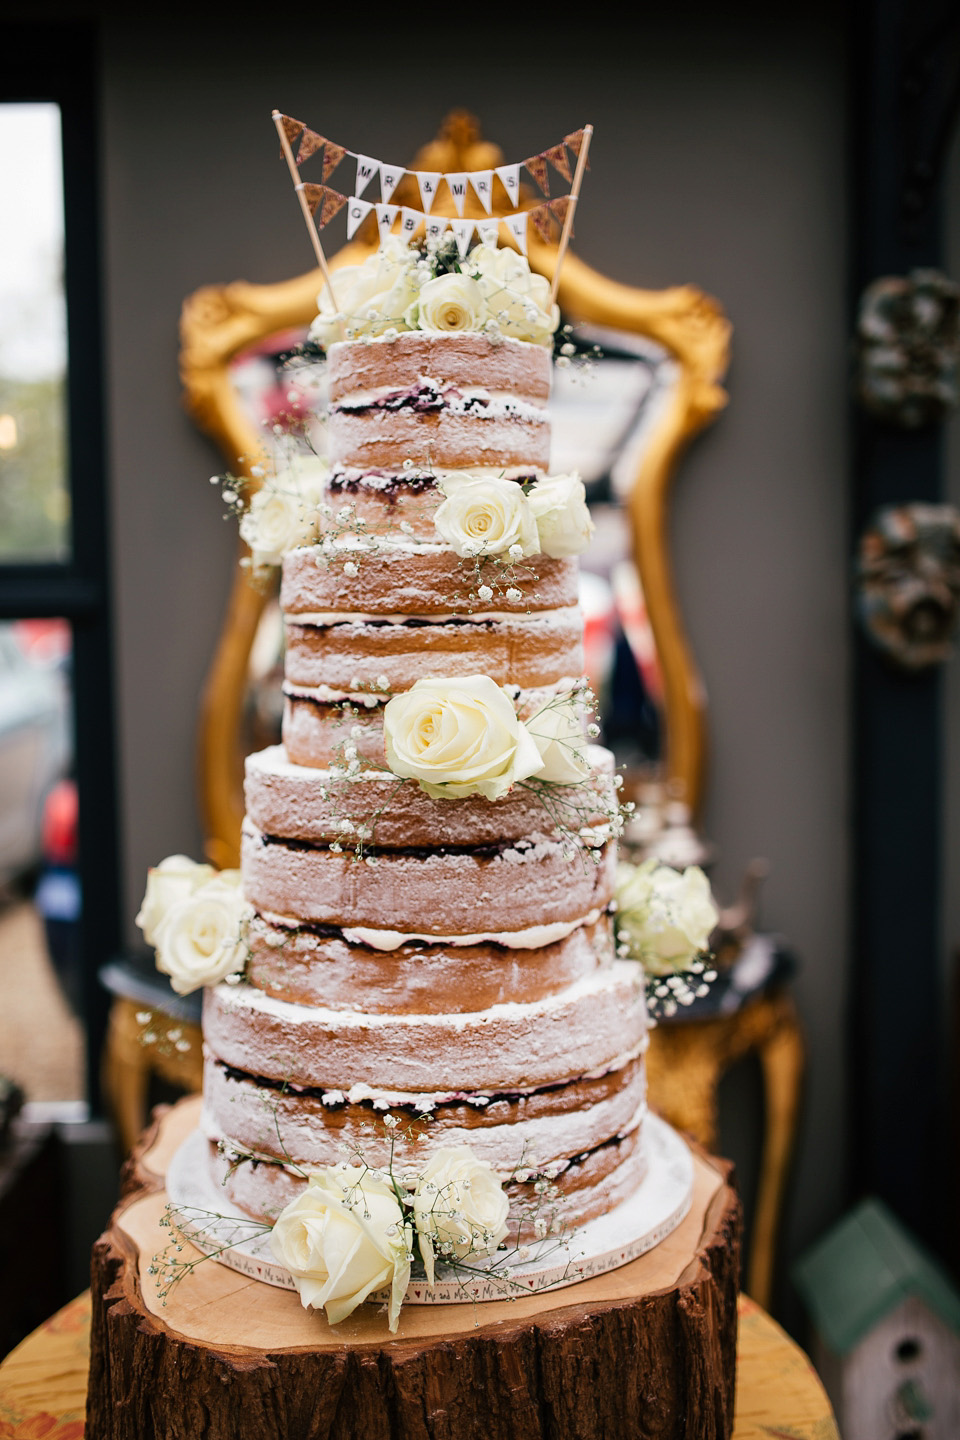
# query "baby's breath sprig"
(495, 577)
(189, 1224)
(666, 993)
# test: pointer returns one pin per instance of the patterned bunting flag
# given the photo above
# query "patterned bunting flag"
(310, 143)
(559, 208)
(333, 203)
(541, 215)
(313, 194)
(291, 128)
(557, 156)
(537, 166)
(332, 155)
(575, 143)
(327, 202)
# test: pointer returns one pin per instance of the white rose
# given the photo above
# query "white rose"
(486, 517)
(202, 938)
(558, 734)
(559, 507)
(450, 302)
(458, 737)
(459, 1207)
(173, 880)
(371, 298)
(284, 512)
(343, 1238)
(667, 914)
(518, 301)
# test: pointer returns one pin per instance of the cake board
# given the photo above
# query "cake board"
(644, 1350)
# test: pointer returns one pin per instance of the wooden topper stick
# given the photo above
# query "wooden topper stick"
(307, 217)
(571, 209)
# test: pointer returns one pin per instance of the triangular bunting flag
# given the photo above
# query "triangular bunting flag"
(386, 214)
(367, 167)
(463, 230)
(558, 159)
(510, 180)
(541, 217)
(517, 225)
(390, 177)
(559, 207)
(489, 231)
(332, 156)
(410, 222)
(482, 182)
(537, 166)
(333, 203)
(458, 189)
(357, 213)
(429, 182)
(436, 225)
(310, 143)
(313, 194)
(575, 143)
(291, 128)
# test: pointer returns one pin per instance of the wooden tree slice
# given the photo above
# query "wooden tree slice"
(647, 1350)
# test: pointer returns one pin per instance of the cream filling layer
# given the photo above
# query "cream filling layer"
(495, 403)
(242, 997)
(322, 618)
(532, 938)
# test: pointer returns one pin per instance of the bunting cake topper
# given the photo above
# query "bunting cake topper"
(320, 202)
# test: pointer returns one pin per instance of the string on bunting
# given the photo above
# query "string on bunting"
(320, 202)
(311, 143)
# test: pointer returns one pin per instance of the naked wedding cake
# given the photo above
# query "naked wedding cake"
(415, 980)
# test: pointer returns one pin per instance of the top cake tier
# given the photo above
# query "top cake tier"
(454, 400)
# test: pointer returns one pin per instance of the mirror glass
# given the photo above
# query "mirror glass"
(608, 391)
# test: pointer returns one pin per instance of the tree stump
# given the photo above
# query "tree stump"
(647, 1350)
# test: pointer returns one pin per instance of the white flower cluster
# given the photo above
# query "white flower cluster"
(399, 288)
(354, 1231)
(284, 512)
(460, 737)
(196, 919)
(664, 916)
(485, 515)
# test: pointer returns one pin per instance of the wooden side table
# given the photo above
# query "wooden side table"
(685, 1064)
(168, 1044)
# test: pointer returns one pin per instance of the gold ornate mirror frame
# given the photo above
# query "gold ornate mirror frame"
(220, 322)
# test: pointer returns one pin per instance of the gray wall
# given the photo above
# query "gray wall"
(717, 160)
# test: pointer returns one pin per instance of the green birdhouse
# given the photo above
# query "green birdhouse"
(887, 1329)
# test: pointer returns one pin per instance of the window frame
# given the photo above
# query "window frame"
(58, 62)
